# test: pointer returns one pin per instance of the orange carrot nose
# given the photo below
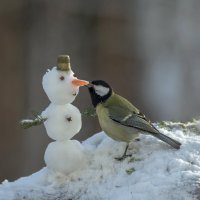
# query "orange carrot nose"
(79, 83)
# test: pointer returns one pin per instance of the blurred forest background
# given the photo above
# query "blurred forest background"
(149, 51)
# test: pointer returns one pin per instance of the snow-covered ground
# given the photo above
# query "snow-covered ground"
(155, 171)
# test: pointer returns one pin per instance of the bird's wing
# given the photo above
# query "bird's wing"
(122, 111)
(131, 119)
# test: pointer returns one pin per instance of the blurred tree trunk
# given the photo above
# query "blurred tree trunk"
(117, 58)
(12, 87)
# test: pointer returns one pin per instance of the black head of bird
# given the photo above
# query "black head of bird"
(100, 91)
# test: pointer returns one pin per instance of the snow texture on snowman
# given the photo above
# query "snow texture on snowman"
(61, 119)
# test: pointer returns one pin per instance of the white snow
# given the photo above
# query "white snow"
(63, 121)
(64, 156)
(58, 86)
(155, 171)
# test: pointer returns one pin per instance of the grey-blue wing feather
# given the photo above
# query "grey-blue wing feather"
(140, 122)
(137, 121)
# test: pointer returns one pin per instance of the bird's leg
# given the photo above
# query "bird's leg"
(137, 139)
(124, 154)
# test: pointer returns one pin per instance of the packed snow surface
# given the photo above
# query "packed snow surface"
(155, 171)
(63, 121)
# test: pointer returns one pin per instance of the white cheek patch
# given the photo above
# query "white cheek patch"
(101, 90)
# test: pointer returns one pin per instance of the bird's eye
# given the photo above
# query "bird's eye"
(62, 78)
(75, 75)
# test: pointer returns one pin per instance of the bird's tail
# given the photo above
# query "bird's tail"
(175, 144)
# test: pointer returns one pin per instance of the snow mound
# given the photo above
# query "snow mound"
(155, 171)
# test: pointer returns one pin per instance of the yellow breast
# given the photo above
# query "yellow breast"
(113, 129)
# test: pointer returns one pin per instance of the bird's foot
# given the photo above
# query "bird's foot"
(123, 157)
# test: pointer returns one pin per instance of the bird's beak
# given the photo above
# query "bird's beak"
(89, 85)
(78, 82)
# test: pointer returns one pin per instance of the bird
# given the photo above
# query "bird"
(120, 119)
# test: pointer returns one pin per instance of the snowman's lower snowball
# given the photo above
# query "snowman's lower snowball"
(64, 156)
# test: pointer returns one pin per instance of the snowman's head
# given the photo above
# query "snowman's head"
(61, 87)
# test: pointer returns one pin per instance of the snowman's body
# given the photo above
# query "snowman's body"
(63, 121)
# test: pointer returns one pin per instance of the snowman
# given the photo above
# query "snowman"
(61, 119)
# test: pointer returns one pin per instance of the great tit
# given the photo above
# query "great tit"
(120, 119)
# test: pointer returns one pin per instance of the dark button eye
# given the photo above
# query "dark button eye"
(62, 78)
(75, 75)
